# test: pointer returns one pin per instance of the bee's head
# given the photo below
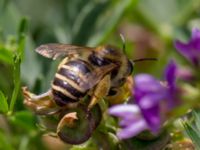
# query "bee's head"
(127, 72)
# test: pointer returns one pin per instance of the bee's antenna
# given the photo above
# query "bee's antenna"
(123, 42)
(136, 60)
(145, 59)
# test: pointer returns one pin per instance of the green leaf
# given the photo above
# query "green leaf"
(193, 134)
(21, 36)
(5, 143)
(5, 55)
(24, 119)
(196, 114)
(3, 103)
(22, 27)
(17, 62)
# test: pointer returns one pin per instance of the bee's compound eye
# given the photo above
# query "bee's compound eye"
(130, 67)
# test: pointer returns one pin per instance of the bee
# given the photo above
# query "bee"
(98, 72)
(92, 72)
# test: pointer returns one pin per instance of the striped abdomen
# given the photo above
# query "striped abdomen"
(65, 86)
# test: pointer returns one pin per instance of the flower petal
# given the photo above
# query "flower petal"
(123, 110)
(191, 49)
(170, 73)
(183, 49)
(195, 33)
(152, 117)
(128, 121)
(151, 113)
(132, 130)
(150, 100)
(149, 93)
(146, 83)
(195, 38)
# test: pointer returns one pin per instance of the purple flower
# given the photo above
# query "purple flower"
(191, 49)
(132, 121)
(170, 77)
(145, 113)
(149, 96)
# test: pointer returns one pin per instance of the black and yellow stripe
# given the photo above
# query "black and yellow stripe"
(65, 86)
(75, 72)
(69, 74)
(80, 66)
(61, 99)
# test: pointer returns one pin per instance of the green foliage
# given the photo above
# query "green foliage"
(17, 62)
(25, 120)
(25, 25)
(3, 103)
(165, 16)
(192, 128)
(5, 144)
(143, 144)
(196, 115)
(105, 24)
(193, 134)
(5, 55)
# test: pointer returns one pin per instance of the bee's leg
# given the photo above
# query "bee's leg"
(42, 104)
(121, 94)
(100, 91)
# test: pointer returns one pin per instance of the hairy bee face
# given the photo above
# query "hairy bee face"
(120, 73)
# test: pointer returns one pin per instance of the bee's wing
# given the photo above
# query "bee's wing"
(55, 50)
(96, 75)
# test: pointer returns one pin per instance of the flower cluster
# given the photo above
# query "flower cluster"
(149, 96)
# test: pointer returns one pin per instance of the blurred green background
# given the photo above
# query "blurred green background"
(149, 27)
